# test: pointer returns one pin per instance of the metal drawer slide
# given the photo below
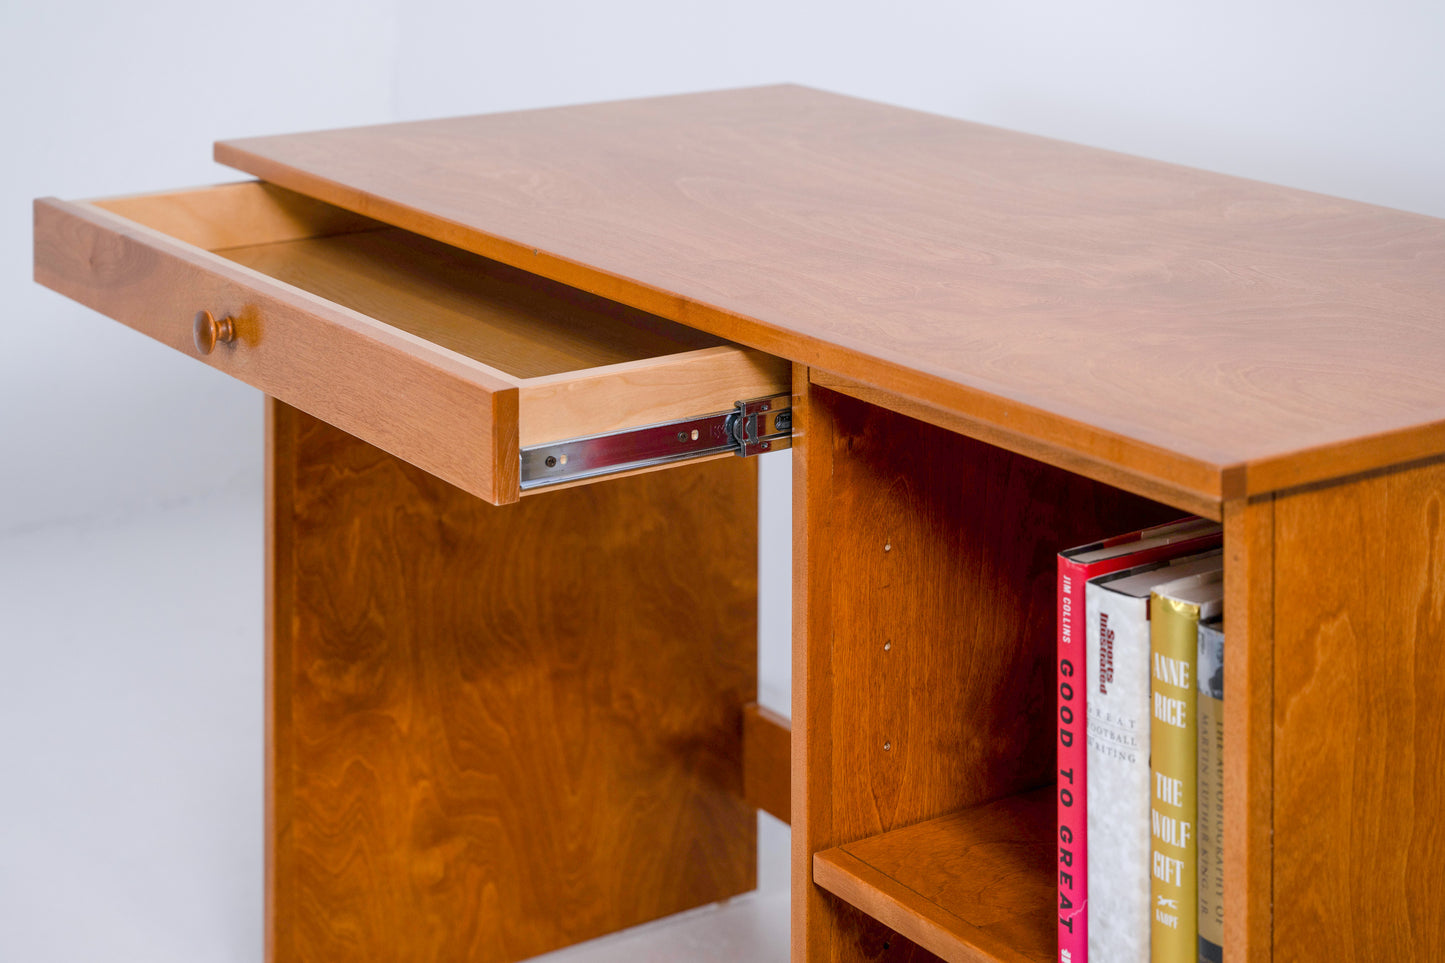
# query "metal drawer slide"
(750, 428)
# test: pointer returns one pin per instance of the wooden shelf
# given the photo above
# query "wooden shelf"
(976, 885)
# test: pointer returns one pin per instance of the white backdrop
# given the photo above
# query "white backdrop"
(98, 425)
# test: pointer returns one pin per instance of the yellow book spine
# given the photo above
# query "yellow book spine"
(1173, 735)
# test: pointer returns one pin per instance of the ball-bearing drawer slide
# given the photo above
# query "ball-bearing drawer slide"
(750, 428)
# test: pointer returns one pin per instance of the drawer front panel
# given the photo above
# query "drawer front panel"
(427, 405)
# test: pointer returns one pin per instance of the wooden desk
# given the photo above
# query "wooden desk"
(498, 731)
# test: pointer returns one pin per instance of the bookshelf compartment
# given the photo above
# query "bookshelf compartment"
(977, 885)
(926, 635)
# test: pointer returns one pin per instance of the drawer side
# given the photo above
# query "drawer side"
(623, 396)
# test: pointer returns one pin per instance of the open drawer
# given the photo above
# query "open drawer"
(491, 378)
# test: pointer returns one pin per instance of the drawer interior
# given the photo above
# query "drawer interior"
(505, 318)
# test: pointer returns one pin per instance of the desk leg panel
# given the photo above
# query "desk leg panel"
(493, 732)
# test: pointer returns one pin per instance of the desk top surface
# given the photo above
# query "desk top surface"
(1216, 334)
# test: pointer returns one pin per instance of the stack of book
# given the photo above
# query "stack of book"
(1140, 672)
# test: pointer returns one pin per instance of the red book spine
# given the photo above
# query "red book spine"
(1072, 784)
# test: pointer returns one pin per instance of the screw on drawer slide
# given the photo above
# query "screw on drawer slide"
(750, 428)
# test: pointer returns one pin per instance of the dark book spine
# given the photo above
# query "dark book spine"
(1210, 677)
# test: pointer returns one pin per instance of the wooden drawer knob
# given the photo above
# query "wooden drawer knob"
(208, 331)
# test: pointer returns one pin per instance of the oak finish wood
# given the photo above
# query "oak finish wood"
(767, 761)
(491, 734)
(1359, 746)
(1282, 337)
(924, 633)
(973, 887)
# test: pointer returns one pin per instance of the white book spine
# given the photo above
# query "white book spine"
(1117, 654)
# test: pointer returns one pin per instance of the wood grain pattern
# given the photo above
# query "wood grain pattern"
(1359, 746)
(972, 887)
(927, 613)
(1249, 733)
(767, 761)
(496, 732)
(1280, 336)
(822, 928)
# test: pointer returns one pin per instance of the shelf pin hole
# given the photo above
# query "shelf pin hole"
(887, 746)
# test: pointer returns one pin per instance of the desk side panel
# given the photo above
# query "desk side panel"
(1359, 720)
(499, 731)
(1249, 611)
